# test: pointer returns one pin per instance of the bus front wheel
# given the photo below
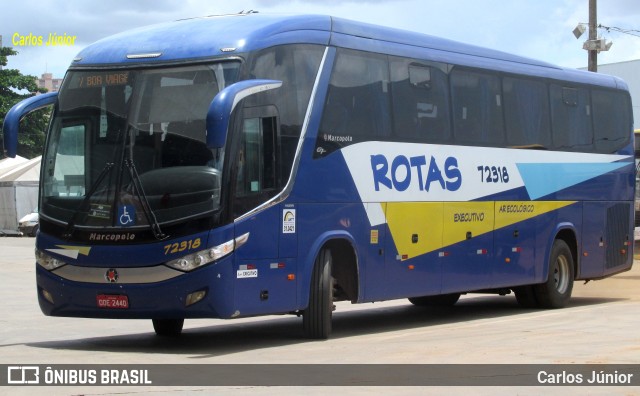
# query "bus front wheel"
(316, 319)
(168, 327)
(556, 291)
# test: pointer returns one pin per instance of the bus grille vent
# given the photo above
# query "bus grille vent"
(618, 218)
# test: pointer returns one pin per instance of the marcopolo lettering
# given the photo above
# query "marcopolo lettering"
(111, 237)
(421, 170)
(338, 139)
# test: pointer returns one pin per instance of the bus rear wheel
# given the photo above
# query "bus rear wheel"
(443, 300)
(556, 291)
(316, 319)
(168, 327)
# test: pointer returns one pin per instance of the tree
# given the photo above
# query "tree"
(15, 87)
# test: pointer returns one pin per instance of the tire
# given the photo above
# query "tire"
(556, 291)
(443, 300)
(526, 297)
(316, 319)
(168, 327)
(34, 231)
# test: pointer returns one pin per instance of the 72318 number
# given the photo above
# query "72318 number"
(493, 174)
(182, 246)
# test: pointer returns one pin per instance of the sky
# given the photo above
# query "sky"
(539, 29)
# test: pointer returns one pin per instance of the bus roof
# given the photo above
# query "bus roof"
(202, 38)
(215, 36)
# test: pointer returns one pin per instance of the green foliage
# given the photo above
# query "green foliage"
(15, 87)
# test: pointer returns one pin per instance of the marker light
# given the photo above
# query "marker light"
(47, 296)
(204, 257)
(47, 262)
(195, 297)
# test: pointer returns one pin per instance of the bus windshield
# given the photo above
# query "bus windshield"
(127, 147)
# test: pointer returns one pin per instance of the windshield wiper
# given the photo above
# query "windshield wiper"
(146, 208)
(72, 224)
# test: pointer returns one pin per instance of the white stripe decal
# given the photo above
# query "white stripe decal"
(65, 252)
(408, 172)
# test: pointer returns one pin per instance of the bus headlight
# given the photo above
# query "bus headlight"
(204, 257)
(47, 262)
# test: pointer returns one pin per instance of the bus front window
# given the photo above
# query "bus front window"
(133, 142)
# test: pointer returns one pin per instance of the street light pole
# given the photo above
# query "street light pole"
(593, 35)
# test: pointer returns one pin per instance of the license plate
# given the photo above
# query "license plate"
(113, 301)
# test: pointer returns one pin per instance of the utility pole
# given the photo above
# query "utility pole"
(0, 47)
(593, 35)
(594, 44)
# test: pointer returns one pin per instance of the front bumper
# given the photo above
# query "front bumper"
(162, 299)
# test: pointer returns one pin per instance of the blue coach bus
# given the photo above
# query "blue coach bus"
(243, 165)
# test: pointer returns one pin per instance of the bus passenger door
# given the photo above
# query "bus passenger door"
(261, 284)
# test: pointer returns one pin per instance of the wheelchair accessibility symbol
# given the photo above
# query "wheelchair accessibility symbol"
(126, 215)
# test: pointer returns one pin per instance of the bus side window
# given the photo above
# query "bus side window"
(571, 118)
(296, 66)
(256, 163)
(611, 121)
(358, 106)
(526, 112)
(420, 95)
(477, 108)
(256, 157)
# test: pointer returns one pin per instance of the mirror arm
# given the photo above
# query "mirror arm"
(11, 124)
(225, 102)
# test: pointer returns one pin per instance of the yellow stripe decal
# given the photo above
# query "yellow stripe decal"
(421, 227)
(422, 218)
(511, 212)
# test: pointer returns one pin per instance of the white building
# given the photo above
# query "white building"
(49, 83)
(18, 191)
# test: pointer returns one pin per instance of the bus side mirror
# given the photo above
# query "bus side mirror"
(11, 124)
(225, 102)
